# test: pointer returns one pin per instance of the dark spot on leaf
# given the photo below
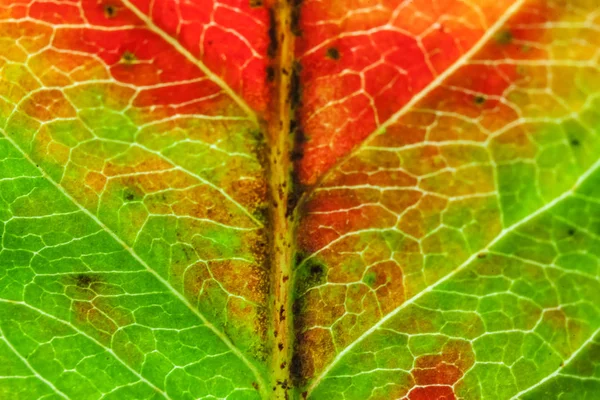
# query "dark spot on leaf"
(280, 346)
(295, 94)
(270, 73)
(571, 232)
(299, 139)
(128, 58)
(261, 213)
(110, 11)
(311, 274)
(333, 53)
(84, 281)
(283, 364)
(281, 314)
(298, 258)
(504, 37)
(297, 307)
(481, 255)
(296, 370)
(129, 195)
(575, 142)
(256, 3)
(295, 17)
(255, 385)
(273, 42)
(479, 100)
(316, 270)
(283, 384)
(296, 155)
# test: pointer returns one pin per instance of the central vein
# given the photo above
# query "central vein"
(280, 137)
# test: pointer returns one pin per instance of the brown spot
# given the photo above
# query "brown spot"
(295, 94)
(295, 17)
(280, 346)
(270, 73)
(283, 384)
(333, 53)
(283, 365)
(84, 280)
(273, 41)
(128, 58)
(110, 11)
(281, 314)
(479, 100)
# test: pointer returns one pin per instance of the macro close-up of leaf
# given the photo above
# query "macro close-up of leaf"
(300, 199)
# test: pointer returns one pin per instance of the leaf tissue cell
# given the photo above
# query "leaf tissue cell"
(288, 200)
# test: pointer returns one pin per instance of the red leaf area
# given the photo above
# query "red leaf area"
(364, 60)
(228, 37)
(338, 208)
(436, 374)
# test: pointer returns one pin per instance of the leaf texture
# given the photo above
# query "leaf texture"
(374, 199)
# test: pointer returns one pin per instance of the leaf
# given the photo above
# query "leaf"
(324, 200)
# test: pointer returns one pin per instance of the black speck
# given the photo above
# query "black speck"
(295, 17)
(128, 57)
(333, 53)
(110, 11)
(270, 74)
(83, 280)
(316, 269)
(479, 100)
(128, 195)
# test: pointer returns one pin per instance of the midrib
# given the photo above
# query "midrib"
(282, 238)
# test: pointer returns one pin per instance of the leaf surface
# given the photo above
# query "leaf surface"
(317, 199)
